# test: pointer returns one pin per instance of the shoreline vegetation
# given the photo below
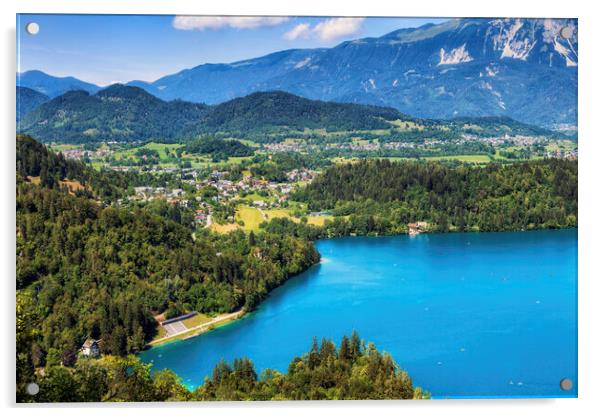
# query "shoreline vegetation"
(352, 371)
(91, 267)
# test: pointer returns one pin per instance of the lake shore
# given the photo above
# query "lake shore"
(225, 319)
(475, 284)
(216, 322)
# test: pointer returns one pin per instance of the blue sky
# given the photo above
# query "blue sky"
(103, 49)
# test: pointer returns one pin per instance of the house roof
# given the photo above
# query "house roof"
(89, 342)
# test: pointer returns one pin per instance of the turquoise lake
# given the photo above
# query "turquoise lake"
(467, 315)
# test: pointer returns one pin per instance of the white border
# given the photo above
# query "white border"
(590, 151)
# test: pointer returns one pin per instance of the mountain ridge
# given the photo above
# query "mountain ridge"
(51, 85)
(521, 68)
(127, 113)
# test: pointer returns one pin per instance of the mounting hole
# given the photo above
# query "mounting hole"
(566, 384)
(566, 32)
(32, 389)
(32, 28)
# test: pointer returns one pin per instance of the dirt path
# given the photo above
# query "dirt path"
(263, 214)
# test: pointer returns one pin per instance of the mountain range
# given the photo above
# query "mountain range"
(126, 113)
(520, 68)
(52, 86)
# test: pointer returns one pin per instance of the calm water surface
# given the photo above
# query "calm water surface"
(489, 314)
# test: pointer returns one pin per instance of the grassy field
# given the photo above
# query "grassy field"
(73, 185)
(223, 228)
(406, 125)
(189, 323)
(251, 217)
(159, 147)
(318, 220)
(168, 161)
(254, 197)
(196, 320)
(249, 143)
(279, 213)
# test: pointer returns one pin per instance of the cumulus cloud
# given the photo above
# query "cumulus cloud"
(338, 27)
(219, 22)
(327, 30)
(299, 31)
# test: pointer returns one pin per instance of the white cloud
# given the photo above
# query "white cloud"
(219, 22)
(329, 29)
(301, 30)
(338, 27)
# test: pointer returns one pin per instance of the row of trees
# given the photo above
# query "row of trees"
(353, 371)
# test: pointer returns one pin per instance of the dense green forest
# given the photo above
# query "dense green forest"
(275, 167)
(116, 113)
(219, 149)
(90, 270)
(267, 111)
(126, 114)
(353, 371)
(380, 196)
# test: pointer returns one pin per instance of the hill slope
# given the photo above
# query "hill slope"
(122, 113)
(117, 113)
(521, 68)
(27, 100)
(277, 109)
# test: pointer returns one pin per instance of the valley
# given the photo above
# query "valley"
(419, 185)
(224, 193)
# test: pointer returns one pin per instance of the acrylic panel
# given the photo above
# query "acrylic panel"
(295, 208)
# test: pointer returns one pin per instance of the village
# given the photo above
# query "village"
(207, 194)
(221, 201)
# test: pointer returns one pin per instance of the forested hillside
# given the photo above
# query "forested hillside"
(125, 114)
(353, 371)
(27, 100)
(269, 110)
(116, 113)
(89, 270)
(383, 196)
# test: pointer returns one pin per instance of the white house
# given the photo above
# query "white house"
(91, 348)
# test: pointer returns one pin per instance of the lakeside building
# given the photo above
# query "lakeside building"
(91, 348)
